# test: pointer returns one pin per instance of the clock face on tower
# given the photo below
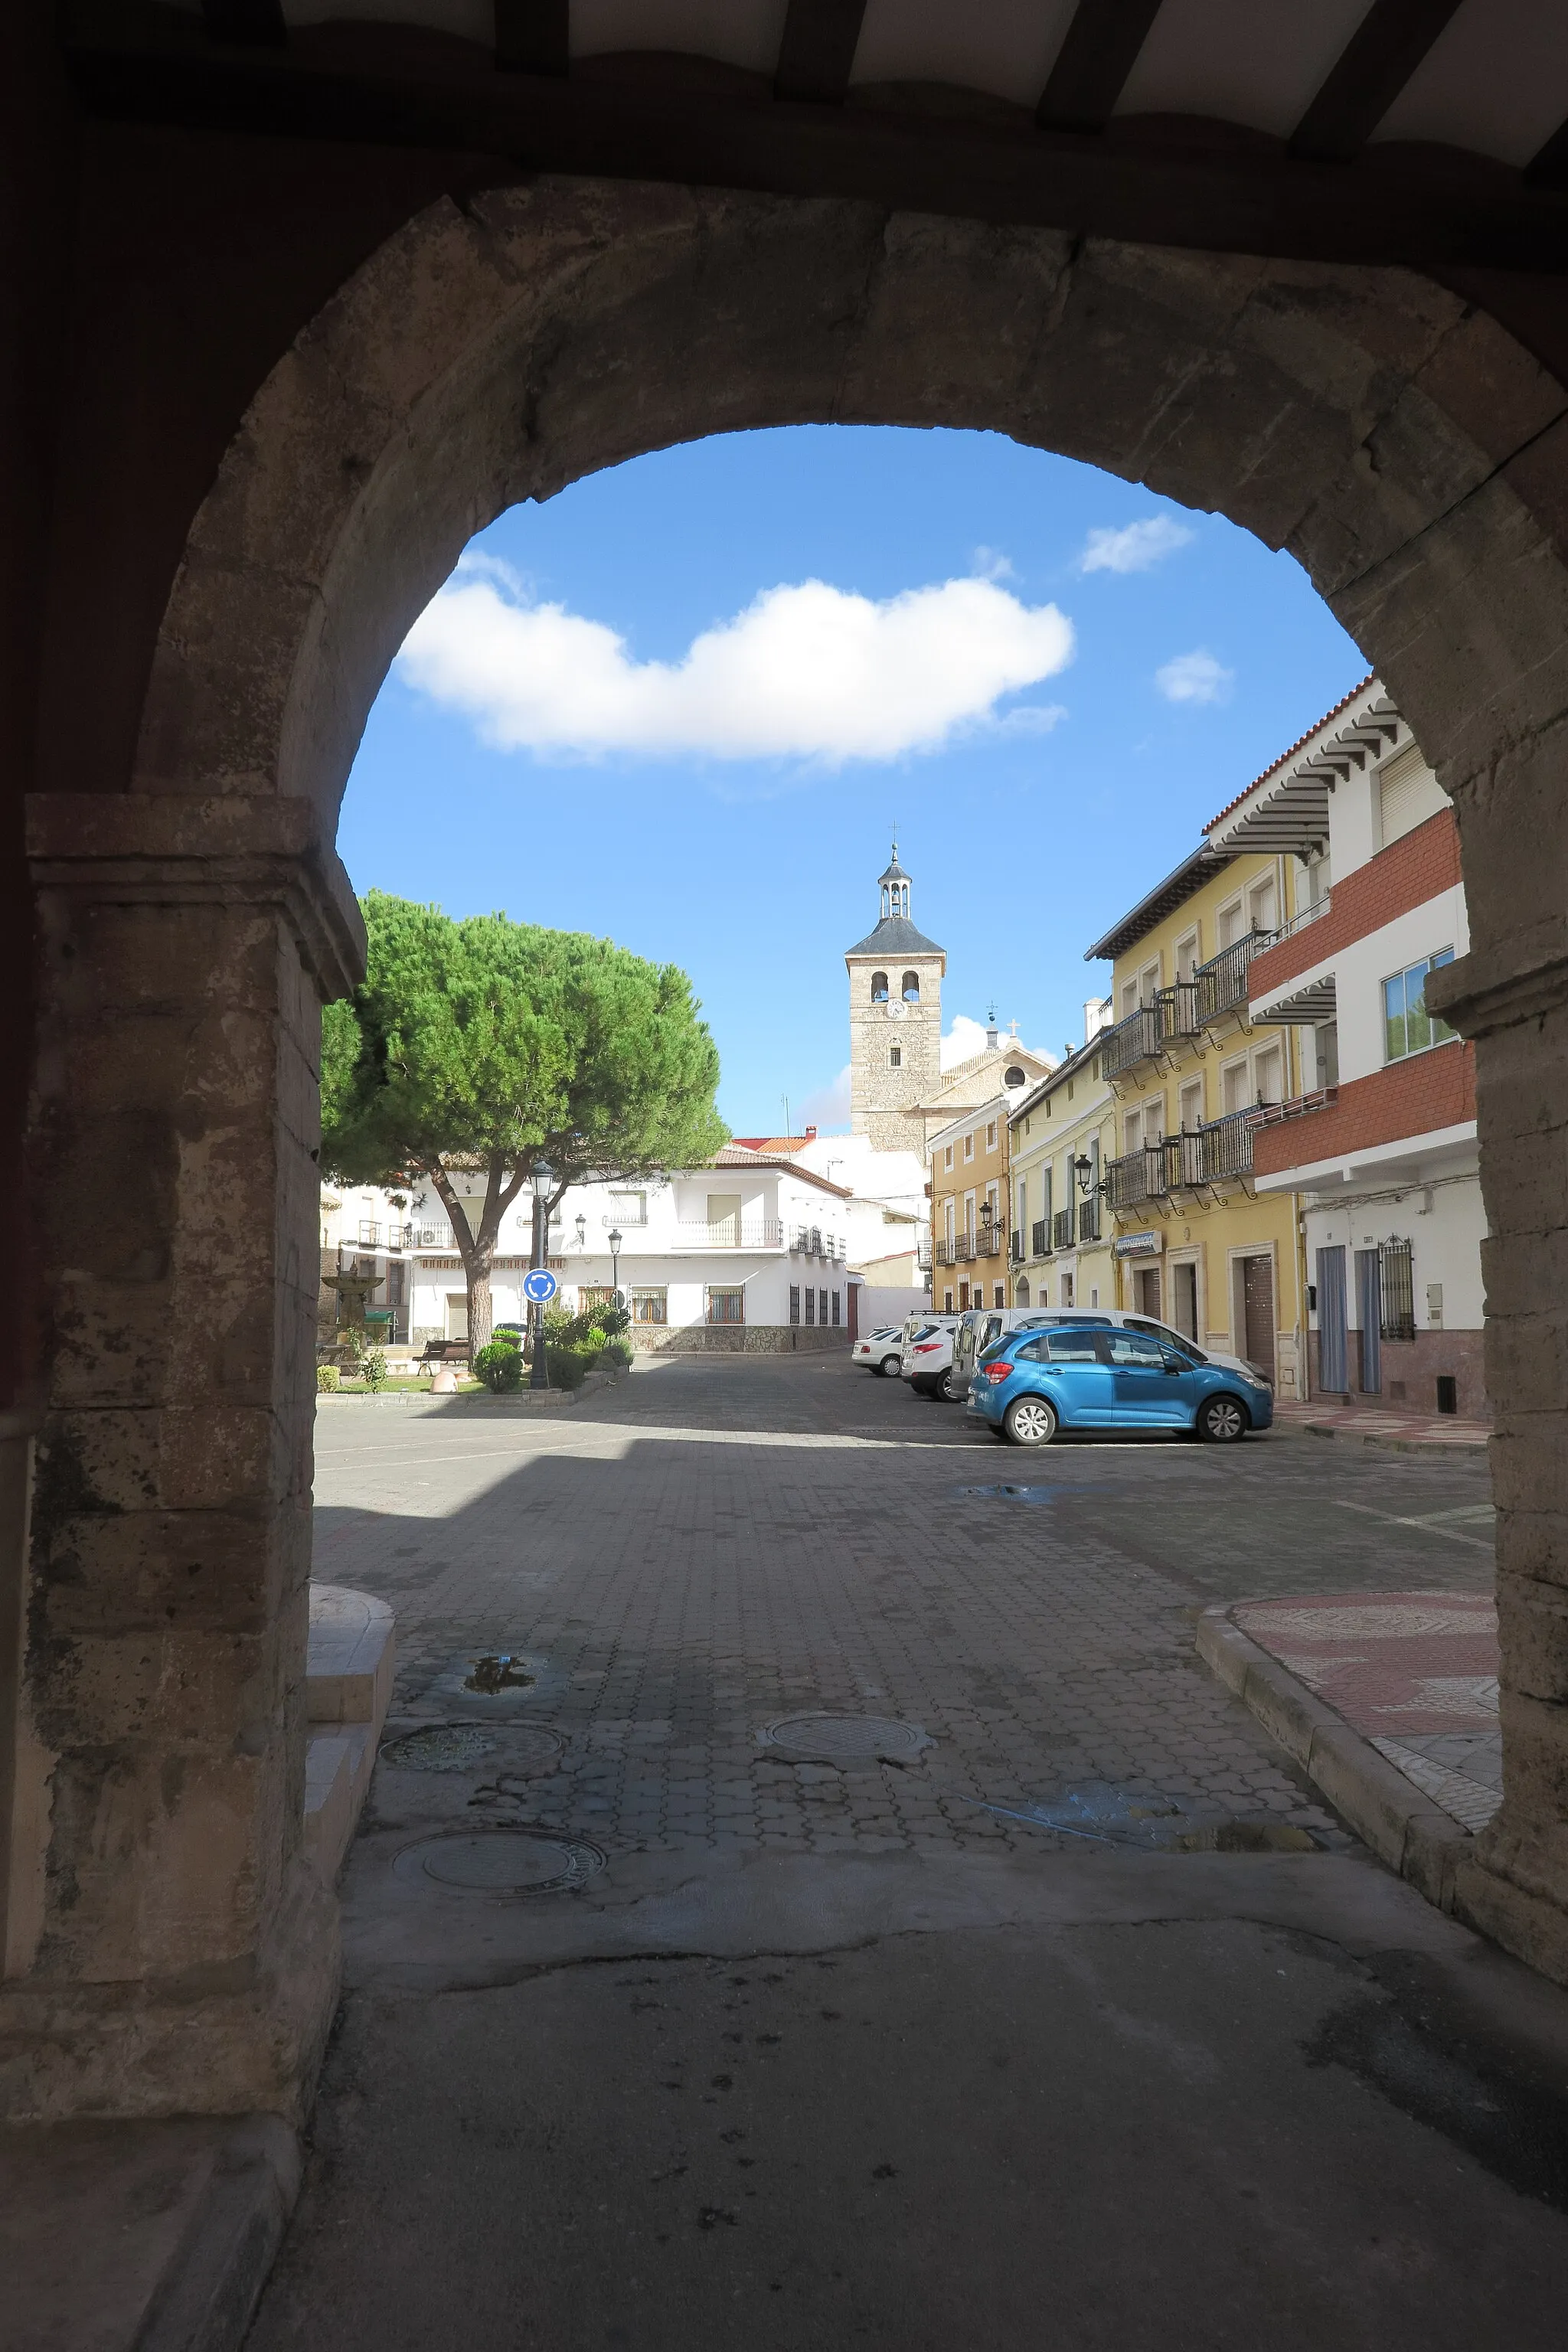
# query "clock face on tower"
(895, 1011)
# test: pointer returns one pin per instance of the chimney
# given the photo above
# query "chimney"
(811, 1135)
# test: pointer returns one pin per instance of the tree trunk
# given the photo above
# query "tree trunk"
(477, 1252)
(479, 1308)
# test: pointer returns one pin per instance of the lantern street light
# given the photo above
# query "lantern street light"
(543, 1177)
(1083, 1168)
(615, 1241)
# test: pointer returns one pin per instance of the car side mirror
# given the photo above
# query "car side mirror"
(1174, 1363)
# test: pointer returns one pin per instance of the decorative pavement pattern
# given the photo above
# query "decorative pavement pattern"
(1415, 1673)
(1377, 1425)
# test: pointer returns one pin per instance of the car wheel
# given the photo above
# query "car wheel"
(947, 1390)
(888, 1367)
(1222, 1420)
(1030, 1421)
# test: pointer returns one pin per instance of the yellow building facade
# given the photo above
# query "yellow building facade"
(1064, 1134)
(1188, 1073)
(970, 1246)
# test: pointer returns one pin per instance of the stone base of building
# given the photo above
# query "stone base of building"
(245, 2038)
(1508, 1890)
(734, 1339)
(1410, 1370)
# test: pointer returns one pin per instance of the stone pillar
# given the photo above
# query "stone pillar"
(168, 1947)
(1513, 1001)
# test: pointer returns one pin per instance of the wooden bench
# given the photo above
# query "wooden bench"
(441, 1352)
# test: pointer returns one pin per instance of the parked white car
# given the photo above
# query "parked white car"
(880, 1351)
(926, 1358)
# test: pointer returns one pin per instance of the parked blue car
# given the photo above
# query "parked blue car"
(1033, 1383)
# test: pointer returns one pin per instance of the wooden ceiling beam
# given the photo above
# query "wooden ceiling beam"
(246, 24)
(1422, 210)
(533, 37)
(1371, 70)
(1092, 65)
(818, 51)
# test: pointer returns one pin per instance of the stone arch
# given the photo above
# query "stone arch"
(879, 988)
(910, 987)
(1389, 435)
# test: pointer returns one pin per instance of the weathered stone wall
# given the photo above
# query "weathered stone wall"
(735, 1338)
(163, 1949)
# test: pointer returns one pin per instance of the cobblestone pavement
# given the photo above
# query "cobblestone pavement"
(717, 1544)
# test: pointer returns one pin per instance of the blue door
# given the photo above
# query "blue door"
(1145, 1392)
(1332, 1370)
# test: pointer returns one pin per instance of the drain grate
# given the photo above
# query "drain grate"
(502, 1862)
(461, 1746)
(845, 1738)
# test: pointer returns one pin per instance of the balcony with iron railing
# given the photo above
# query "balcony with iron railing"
(1218, 1153)
(1220, 985)
(1061, 1228)
(1089, 1218)
(1040, 1237)
(923, 1253)
(990, 1238)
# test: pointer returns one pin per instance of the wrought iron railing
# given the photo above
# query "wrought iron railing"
(1134, 1040)
(1017, 1249)
(1061, 1229)
(1039, 1237)
(1089, 1219)
(1221, 983)
(991, 1240)
(1137, 1176)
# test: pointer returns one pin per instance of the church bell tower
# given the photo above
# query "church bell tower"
(895, 1022)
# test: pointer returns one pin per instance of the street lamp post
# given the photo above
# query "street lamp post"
(543, 1177)
(615, 1241)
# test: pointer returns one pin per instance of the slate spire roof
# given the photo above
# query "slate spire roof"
(895, 934)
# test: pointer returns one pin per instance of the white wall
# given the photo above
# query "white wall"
(1361, 967)
(1445, 1226)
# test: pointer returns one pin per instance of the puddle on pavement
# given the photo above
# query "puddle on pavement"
(1008, 1490)
(464, 1747)
(1101, 1813)
(495, 1672)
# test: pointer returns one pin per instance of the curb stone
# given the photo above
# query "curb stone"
(473, 1400)
(1404, 1828)
(1398, 1444)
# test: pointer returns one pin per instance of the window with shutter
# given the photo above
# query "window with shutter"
(1407, 794)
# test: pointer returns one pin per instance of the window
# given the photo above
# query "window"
(811, 1305)
(1191, 1105)
(1015, 1076)
(1187, 955)
(649, 1307)
(1396, 1268)
(1265, 1067)
(947, 1302)
(822, 1305)
(1232, 1088)
(1261, 906)
(836, 1314)
(910, 987)
(1149, 982)
(629, 1208)
(991, 1137)
(879, 988)
(969, 1146)
(1066, 1290)
(963, 1297)
(1135, 1348)
(726, 1306)
(1407, 794)
(895, 1058)
(947, 1155)
(795, 1302)
(1407, 1026)
(1229, 923)
(999, 1294)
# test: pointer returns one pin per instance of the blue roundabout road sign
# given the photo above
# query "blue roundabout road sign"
(540, 1285)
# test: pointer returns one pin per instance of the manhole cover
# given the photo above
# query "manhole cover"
(502, 1862)
(462, 1747)
(845, 1738)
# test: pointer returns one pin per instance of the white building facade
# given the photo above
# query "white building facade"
(1382, 1149)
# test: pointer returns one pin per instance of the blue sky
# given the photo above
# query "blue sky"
(1046, 678)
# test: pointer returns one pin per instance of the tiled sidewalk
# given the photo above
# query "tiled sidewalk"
(1415, 1672)
(1375, 1427)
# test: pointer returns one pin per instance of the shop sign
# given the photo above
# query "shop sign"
(1148, 1244)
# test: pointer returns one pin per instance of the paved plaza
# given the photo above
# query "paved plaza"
(964, 2032)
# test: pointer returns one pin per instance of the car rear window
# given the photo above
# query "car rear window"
(1061, 1347)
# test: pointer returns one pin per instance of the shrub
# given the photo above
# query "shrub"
(326, 1379)
(351, 1340)
(567, 1367)
(612, 1320)
(372, 1371)
(617, 1352)
(499, 1366)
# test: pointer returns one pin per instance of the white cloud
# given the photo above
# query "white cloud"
(990, 563)
(963, 1041)
(829, 1106)
(804, 672)
(1136, 547)
(1194, 677)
